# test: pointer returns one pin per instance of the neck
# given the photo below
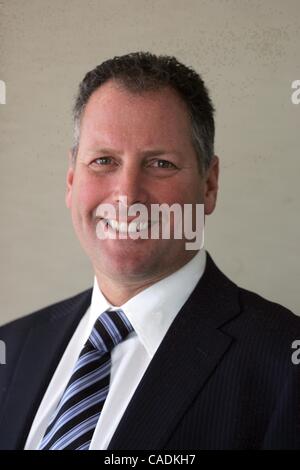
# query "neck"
(117, 294)
(118, 291)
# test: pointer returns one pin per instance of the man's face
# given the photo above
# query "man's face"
(138, 146)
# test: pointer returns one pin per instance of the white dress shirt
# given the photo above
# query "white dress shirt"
(151, 313)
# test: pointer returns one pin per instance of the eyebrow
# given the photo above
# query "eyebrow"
(145, 153)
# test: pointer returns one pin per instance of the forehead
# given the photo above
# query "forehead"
(113, 110)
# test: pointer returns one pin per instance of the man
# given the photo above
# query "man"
(202, 363)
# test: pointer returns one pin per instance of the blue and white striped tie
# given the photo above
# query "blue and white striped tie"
(78, 411)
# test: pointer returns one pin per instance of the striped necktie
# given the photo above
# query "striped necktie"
(78, 411)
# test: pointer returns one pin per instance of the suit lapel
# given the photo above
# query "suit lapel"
(42, 350)
(190, 352)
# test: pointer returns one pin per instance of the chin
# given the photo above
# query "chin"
(129, 263)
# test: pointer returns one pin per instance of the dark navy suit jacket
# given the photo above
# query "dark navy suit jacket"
(222, 378)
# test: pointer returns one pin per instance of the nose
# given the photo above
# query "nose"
(130, 186)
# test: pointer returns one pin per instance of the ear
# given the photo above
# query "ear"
(69, 180)
(211, 186)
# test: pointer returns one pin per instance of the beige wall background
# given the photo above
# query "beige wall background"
(248, 53)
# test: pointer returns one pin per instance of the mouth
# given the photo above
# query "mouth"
(127, 227)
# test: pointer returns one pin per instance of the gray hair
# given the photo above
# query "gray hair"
(142, 71)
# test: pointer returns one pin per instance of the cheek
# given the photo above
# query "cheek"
(186, 192)
(87, 194)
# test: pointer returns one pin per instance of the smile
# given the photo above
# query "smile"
(124, 227)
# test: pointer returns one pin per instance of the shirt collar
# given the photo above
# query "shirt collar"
(152, 310)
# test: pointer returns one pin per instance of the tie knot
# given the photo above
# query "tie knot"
(110, 328)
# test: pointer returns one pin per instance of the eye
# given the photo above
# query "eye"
(163, 164)
(103, 164)
(103, 161)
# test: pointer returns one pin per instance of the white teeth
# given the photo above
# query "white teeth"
(114, 224)
(123, 227)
